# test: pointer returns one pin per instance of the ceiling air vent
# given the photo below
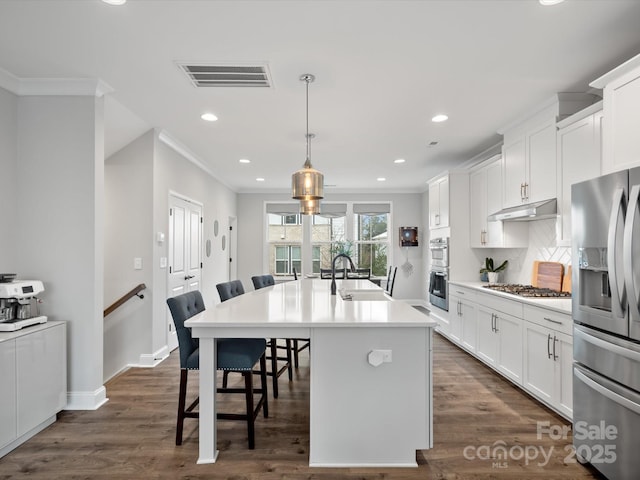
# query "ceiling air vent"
(227, 75)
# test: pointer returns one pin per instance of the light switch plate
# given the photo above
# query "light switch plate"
(163, 262)
(137, 263)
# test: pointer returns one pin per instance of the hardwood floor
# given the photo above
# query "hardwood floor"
(133, 435)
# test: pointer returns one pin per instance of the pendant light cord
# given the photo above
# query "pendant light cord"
(307, 136)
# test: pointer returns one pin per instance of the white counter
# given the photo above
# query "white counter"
(562, 305)
(360, 415)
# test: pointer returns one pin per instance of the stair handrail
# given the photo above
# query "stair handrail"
(135, 292)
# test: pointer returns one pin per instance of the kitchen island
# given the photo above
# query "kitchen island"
(370, 368)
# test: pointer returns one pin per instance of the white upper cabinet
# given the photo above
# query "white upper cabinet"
(621, 94)
(529, 151)
(579, 159)
(439, 203)
(485, 185)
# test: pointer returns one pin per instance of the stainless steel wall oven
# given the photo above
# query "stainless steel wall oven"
(439, 273)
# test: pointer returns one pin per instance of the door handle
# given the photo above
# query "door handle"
(627, 247)
(526, 191)
(548, 348)
(496, 322)
(618, 297)
(555, 339)
(522, 191)
(188, 277)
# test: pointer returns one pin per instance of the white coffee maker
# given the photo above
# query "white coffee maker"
(19, 306)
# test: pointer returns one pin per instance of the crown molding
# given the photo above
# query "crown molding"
(53, 86)
(182, 150)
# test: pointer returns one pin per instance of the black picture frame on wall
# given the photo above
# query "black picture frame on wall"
(408, 236)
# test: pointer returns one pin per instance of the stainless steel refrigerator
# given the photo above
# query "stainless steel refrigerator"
(605, 215)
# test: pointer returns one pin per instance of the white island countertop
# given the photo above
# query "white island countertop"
(363, 412)
(309, 303)
(561, 305)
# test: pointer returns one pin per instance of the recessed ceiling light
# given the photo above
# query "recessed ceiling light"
(209, 117)
(244, 160)
(547, 3)
(382, 179)
(259, 179)
(115, 2)
(399, 160)
(439, 118)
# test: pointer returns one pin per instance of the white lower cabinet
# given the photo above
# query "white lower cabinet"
(548, 360)
(33, 374)
(500, 341)
(7, 394)
(532, 346)
(462, 314)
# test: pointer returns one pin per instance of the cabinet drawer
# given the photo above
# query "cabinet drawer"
(561, 322)
(463, 293)
(510, 307)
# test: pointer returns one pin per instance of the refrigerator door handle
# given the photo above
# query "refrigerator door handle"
(617, 300)
(627, 249)
(613, 396)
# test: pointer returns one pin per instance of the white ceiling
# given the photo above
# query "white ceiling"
(383, 69)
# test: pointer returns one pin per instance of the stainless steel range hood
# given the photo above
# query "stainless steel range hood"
(527, 213)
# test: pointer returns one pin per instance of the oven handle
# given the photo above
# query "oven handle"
(614, 397)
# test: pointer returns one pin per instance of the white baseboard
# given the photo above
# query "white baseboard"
(151, 360)
(86, 400)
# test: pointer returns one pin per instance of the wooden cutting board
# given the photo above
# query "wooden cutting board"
(547, 275)
(566, 281)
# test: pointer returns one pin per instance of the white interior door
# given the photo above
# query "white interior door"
(233, 243)
(185, 253)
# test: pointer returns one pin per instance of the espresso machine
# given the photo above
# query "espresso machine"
(19, 305)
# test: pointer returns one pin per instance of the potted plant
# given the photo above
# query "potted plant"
(491, 270)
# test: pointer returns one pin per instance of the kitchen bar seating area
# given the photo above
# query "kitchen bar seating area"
(473, 408)
(323, 233)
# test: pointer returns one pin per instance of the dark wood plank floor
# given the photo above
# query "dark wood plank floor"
(132, 436)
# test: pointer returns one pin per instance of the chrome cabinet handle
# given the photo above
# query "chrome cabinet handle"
(555, 357)
(548, 348)
(557, 322)
(526, 191)
(188, 277)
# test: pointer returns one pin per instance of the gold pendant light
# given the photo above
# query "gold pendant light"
(307, 183)
(309, 207)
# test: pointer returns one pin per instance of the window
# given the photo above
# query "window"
(287, 257)
(371, 234)
(284, 239)
(360, 230)
(327, 239)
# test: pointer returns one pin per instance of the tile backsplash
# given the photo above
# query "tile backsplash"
(542, 246)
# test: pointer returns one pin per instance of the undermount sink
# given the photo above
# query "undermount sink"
(365, 295)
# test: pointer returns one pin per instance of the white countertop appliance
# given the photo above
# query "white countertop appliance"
(19, 304)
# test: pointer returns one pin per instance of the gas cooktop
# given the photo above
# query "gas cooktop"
(527, 290)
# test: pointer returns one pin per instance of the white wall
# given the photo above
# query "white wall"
(174, 173)
(128, 234)
(59, 225)
(407, 211)
(8, 183)
(139, 179)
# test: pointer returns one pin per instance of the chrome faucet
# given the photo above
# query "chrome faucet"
(333, 270)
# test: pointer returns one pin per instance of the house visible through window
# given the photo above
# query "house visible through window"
(287, 258)
(309, 243)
